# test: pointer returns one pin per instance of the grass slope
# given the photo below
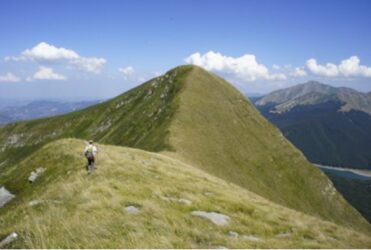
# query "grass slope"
(202, 120)
(80, 211)
(218, 130)
(138, 118)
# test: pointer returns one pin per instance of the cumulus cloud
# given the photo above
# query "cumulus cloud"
(348, 67)
(245, 68)
(127, 71)
(46, 73)
(9, 77)
(91, 64)
(44, 53)
(298, 72)
(352, 67)
(329, 69)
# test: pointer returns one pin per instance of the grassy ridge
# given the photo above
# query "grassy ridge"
(218, 130)
(80, 211)
(201, 119)
(138, 118)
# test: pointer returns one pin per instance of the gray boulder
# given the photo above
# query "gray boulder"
(8, 239)
(35, 174)
(5, 196)
(216, 218)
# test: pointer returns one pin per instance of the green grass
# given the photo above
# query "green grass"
(87, 211)
(202, 120)
(218, 130)
(138, 118)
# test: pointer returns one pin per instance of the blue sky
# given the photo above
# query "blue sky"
(98, 49)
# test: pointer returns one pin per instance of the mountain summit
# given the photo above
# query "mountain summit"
(198, 118)
(330, 125)
(313, 92)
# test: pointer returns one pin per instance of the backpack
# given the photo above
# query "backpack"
(89, 153)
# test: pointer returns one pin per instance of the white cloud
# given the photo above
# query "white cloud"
(348, 67)
(127, 71)
(9, 77)
(46, 73)
(298, 72)
(329, 69)
(245, 68)
(45, 53)
(89, 64)
(351, 67)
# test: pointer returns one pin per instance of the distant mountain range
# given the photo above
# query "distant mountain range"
(39, 109)
(332, 126)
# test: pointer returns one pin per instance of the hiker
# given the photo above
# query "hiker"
(90, 152)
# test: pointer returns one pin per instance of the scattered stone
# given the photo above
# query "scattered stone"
(181, 200)
(8, 239)
(37, 202)
(283, 235)
(5, 196)
(14, 139)
(132, 209)
(250, 238)
(35, 174)
(233, 234)
(104, 126)
(154, 84)
(216, 218)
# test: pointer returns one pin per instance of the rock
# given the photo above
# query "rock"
(283, 235)
(8, 239)
(185, 201)
(181, 200)
(14, 139)
(35, 202)
(216, 218)
(250, 238)
(208, 194)
(5, 196)
(35, 174)
(132, 209)
(233, 234)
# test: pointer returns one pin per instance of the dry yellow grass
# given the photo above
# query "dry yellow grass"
(82, 211)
